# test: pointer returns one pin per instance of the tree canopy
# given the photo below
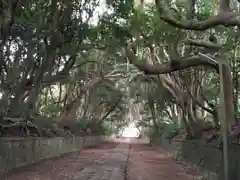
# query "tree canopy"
(63, 67)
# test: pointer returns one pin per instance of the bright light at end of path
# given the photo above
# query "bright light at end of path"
(130, 131)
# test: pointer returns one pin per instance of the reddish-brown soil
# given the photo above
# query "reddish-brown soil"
(60, 168)
(145, 163)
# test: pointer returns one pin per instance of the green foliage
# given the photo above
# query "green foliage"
(57, 45)
(152, 30)
(122, 8)
(204, 9)
(170, 128)
(50, 109)
(79, 125)
(45, 123)
(166, 130)
(108, 129)
(211, 87)
(48, 105)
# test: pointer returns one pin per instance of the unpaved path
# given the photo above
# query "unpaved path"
(112, 160)
(145, 163)
(111, 166)
(64, 167)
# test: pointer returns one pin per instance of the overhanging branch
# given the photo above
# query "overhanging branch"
(167, 67)
(224, 17)
(204, 44)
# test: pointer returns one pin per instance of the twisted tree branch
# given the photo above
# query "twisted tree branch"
(167, 67)
(224, 17)
(204, 44)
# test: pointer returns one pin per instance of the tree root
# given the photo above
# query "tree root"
(26, 127)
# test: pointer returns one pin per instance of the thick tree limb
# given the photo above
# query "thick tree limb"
(224, 17)
(204, 44)
(167, 67)
(64, 73)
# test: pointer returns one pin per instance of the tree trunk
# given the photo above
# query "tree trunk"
(68, 115)
(186, 123)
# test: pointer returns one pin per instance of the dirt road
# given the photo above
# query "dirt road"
(145, 163)
(112, 160)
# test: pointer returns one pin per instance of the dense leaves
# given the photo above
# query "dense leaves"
(65, 66)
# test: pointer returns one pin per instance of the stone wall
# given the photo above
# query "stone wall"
(205, 158)
(193, 154)
(16, 152)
